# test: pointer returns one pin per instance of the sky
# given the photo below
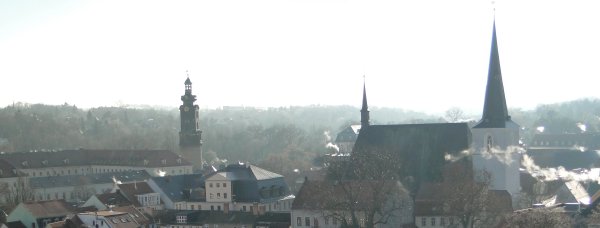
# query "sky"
(421, 55)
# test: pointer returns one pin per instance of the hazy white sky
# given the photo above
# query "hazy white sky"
(424, 55)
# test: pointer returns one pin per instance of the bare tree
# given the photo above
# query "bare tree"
(367, 191)
(466, 196)
(454, 115)
(536, 218)
(21, 191)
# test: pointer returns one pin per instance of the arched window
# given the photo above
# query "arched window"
(489, 144)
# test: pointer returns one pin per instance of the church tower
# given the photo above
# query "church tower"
(496, 136)
(364, 111)
(190, 136)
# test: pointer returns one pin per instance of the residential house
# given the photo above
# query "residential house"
(182, 192)
(38, 214)
(245, 187)
(142, 196)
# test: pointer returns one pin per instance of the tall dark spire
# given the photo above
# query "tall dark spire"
(495, 112)
(364, 111)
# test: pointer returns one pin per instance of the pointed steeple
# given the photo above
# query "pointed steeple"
(364, 111)
(495, 112)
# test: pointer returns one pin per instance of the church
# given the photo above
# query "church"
(421, 151)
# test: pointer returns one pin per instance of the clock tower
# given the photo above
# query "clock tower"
(190, 136)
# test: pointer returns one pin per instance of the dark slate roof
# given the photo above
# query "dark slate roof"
(495, 112)
(177, 188)
(83, 157)
(188, 81)
(567, 158)
(253, 184)
(95, 178)
(349, 134)
(420, 148)
(50, 208)
(130, 190)
(15, 224)
(139, 217)
(113, 198)
(7, 169)
(587, 140)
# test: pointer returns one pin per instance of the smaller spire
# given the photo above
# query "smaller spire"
(364, 112)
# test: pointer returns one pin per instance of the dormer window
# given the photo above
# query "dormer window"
(181, 219)
(179, 161)
(25, 163)
(164, 161)
(45, 162)
(146, 162)
(66, 161)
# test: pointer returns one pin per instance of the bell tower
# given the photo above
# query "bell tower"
(190, 136)
(496, 136)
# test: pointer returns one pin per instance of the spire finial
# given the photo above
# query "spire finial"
(494, 6)
(187, 73)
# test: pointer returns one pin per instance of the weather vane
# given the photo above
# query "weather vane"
(187, 73)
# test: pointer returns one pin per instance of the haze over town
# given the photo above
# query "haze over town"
(417, 55)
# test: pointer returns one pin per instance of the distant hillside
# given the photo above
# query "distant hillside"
(249, 134)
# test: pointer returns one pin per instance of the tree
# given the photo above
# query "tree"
(466, 196)
(536, 218)
(454, 115)
(358, 203)
(367, 191)
(21, 191)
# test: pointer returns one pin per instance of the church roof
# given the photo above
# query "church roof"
(495, 112)
(421, 148)
(188, 81)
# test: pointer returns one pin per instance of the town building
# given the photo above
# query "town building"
(39, 214)
(569, 150)
(183, 192)
(142, 197)
(74, 175)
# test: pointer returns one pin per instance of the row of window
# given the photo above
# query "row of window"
(434, 220)
(96, 170)
(218, 185)
(315, 222)
(558, 143)
(218, 195)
